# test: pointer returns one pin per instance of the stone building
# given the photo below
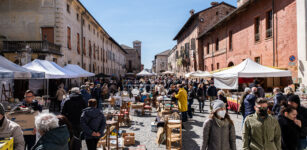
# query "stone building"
(133, 57)
(62, 31)
(301, 9)
(171, 60)
(263, 31)
(187, 43)
(161, 60)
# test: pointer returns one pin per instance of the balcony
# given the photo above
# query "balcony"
(36, 47)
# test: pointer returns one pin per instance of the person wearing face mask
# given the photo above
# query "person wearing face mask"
(295, 102)
(290, 128)
(261, 130)
(218, 130)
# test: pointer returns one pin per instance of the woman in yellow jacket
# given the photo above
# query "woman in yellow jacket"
(182, 97)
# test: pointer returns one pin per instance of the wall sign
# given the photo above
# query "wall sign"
(292, 58)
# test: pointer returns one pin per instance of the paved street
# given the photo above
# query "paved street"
(192, 134)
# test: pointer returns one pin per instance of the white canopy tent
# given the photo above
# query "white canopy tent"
(188, 75)
(145, 73)
(168, 72)
(201, 74)
(79, 70)
(9, 70)
(228, 79)
(51, 69)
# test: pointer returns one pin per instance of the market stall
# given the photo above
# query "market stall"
(78, 70)
(229, 78)
(51, 69)
(201, 74)
(145, 73)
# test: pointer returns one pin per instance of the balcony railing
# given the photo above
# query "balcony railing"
(36, 46)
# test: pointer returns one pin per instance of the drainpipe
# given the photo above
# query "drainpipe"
(82, 48)
(273, 33)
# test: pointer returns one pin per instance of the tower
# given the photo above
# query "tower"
(138, 46)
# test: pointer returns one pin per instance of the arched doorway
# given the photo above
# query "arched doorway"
(230, 64)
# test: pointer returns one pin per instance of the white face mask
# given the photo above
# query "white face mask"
(221, 113)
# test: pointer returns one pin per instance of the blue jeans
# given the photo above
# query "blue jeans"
(201, 103)
(303, 144)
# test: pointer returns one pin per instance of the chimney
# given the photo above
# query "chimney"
(214, 3)
(192, 12)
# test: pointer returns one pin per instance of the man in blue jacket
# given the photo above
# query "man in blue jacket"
(249, 102)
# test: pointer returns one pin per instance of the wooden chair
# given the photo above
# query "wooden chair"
(172, 136)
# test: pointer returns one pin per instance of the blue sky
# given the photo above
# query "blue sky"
(154, 22)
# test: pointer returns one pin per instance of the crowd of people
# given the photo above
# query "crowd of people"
(282, 126)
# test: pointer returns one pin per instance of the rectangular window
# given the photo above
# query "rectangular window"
(89, 48)
(94, 51)
(83, 46)
(78, 43)
(208, 48)
(77, 17)
(230, 40)
(187, 47)
(68, 38)
(257, 60)
(193, 44)
(217, 44)
(217, 65)
(212, 67)
(89, 27)
(257, 29)
(269, 24)
(68, 8)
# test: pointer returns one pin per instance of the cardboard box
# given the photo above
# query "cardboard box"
(25, 120)
(129, 139)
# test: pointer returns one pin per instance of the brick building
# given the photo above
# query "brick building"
(187, 53)
(62, 31)
(262, 30)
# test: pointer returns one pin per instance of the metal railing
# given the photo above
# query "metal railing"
(36, 46)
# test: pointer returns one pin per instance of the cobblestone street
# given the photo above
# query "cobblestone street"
(192, 134)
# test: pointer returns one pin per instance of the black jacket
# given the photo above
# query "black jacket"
(191, 94)
(55, 139)
(211, 91)
(73, 107)
(277, 103)
(92, 120)
(290, 133)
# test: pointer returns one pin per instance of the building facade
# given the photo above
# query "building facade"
(171, 60)
(187, 43)
(161, 62)
(301, 11)
(133, 57)
(261, 30)
(62, 31)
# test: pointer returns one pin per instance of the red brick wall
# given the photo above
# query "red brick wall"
(244, 45)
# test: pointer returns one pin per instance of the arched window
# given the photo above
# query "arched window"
(230, 64)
